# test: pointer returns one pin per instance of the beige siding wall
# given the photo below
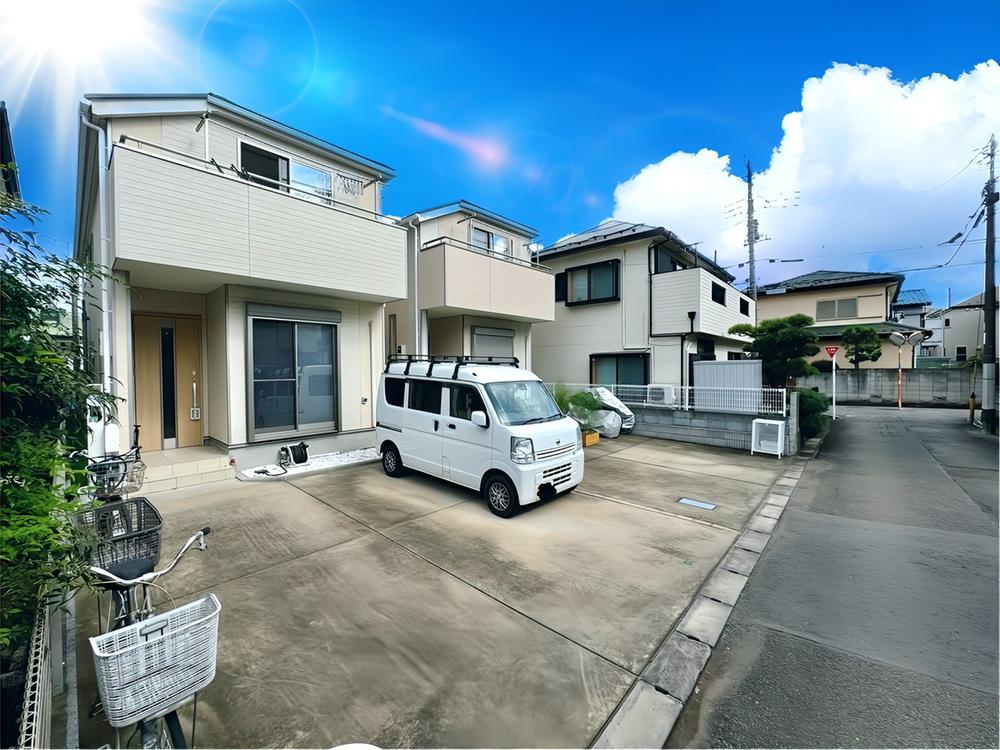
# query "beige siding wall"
(465, 280)
(121, 362)
(446, 335)
(458, 226)
(360, 353)
(887, 360)
(872, 303)
(171, 214)
(966, 327)
(216, 347)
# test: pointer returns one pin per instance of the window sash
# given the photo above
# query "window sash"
(481, 238)
(597, 282)
(718, 294)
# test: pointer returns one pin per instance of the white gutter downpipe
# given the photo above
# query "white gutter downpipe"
(105, 258)
(414, 224)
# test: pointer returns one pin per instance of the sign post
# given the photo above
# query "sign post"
(832, 352)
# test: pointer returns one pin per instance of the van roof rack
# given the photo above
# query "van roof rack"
(459, 360)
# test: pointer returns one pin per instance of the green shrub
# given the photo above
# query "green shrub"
(42, 417)
(823, 365)
(812, 405)
(581, 405)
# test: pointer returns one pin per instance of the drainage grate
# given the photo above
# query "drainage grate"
(697, 503)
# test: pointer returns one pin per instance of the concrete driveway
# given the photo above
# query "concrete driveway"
(400, 612)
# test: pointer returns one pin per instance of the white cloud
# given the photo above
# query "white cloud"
(863, 156)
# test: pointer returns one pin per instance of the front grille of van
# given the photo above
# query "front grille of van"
(559, 450)
(559, 474)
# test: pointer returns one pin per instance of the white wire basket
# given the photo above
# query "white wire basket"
(146, 668)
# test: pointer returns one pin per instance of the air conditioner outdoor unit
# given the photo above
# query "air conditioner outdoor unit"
(661, 395)
(767, 436)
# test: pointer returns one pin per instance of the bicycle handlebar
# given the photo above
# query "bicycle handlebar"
(197, 537)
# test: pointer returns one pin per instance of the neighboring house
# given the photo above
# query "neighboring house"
(472, 289)
(837, 300)
(255, 264)
(933, 346)
(964, 328)
(635, 305)
(911, 309)
(9, 182)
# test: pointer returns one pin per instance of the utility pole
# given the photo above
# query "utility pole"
(751, 234)
(990, 303)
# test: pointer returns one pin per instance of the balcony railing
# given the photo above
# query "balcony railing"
(769, 401)
(506, 257)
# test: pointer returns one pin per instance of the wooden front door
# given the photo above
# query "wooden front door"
(168, 383)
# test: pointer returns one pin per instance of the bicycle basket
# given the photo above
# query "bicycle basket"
(116, 475)
(125, 530)
(144, 669)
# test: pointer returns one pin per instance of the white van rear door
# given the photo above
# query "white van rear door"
(422, 425)
(468, 448)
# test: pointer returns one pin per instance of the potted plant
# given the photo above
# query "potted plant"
(583, 406)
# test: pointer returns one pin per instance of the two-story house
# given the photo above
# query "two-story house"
(837, 300)
(963, 329)
(251, 265)
(472, 285)
(635, 305)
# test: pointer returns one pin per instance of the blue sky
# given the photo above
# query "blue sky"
(541, 110)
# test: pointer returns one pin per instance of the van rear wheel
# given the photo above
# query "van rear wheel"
(501, 495)
(392, 462)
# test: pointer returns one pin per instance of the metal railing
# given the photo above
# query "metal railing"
(769, 401)
(36, 713)
(484, 251)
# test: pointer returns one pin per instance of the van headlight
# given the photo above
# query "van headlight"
(579, 438)
(522, 450)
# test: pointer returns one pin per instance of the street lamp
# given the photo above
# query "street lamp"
(900, 340)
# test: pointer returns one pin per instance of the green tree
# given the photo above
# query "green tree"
(861, 344)
(42, 418)
(783, 344)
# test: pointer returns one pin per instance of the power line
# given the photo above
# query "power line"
(977, 155)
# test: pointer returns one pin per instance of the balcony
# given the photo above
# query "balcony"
(190, 224)
(461, 279)
(676, 293)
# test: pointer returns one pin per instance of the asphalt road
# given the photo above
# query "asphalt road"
(871, 620)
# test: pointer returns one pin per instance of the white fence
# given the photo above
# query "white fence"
(772, 401)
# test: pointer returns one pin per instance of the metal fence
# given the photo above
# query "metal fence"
(36, 714)
(771, 401)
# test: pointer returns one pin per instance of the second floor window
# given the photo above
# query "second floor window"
(597, 282)
(836, 309)
(664, 262)
(718, 294)
(744, 307)
(309, 181)
(960, 353)
(263, 166)
(484, 240)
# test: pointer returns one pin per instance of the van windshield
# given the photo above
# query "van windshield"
(523, 402)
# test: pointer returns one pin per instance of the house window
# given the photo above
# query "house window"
(312, 183)
(947, 322)
(293, 376)
(836, 309)
(718, 294)
(489, 241)
(394, 388)
(263, 166)
(425, 395)
(744, 307)
(732, 356)
(597, 282)
(664, 262)
(393, 335)
(492, 342)
(619, 369)
(560, 284)
(960, 353)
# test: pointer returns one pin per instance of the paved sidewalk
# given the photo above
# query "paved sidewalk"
(871, 619)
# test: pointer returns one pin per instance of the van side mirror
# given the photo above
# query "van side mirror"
(479, 418)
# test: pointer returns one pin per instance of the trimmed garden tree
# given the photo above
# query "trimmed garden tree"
(861, 344)
(782, 344)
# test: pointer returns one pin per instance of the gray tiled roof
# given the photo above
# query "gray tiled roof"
(817, 279)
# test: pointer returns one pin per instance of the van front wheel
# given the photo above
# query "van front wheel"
(392, 462)
(500, 495)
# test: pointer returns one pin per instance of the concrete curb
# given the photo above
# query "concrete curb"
(647, 714)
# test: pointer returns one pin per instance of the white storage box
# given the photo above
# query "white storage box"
(768, 436)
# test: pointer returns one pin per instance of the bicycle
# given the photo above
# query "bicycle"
(149, 665)
(114, 476)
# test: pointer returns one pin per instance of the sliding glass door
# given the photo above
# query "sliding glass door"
(293, 374)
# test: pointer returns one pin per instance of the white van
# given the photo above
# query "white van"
(481, 424)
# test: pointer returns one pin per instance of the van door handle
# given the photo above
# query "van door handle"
(451, 426)
(435, 425)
